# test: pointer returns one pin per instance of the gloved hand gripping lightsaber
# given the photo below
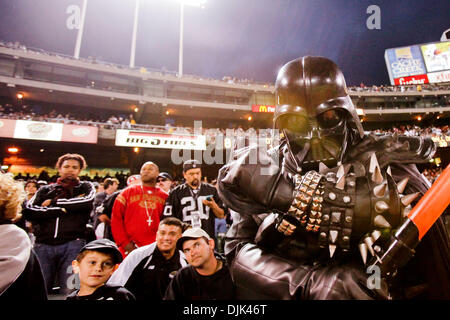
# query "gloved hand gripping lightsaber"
(395, 252)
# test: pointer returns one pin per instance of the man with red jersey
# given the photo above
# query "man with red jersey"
(137, 210)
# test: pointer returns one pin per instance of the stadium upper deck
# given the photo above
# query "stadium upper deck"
(54, 78)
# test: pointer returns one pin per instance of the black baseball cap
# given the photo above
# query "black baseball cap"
(191, 164)
(104, 245)
(192, 233)
(165, 175)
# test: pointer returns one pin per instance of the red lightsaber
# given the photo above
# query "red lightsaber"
(432, 204)
(395, 252)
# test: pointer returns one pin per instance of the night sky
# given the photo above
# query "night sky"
(247, 39)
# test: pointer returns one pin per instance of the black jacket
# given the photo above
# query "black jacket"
(188, 284)
(147, 273)
(105, 292)
(53, 225)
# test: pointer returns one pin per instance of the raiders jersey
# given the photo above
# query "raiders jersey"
(187, 205)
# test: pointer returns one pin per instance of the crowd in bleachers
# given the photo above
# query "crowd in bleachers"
(414, 130)
(121, 120)
(402, 88)
(44, 178)
(432, 173)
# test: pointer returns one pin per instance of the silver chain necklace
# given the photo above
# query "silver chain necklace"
(149, 220)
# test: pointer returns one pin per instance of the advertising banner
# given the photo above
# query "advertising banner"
(404, 62)
(7, 128)
(129, 138)
(35, 130)
(436, 56)
(419, 79)
(442, 76)
(76, 133)
(263, 108)
(49, 131)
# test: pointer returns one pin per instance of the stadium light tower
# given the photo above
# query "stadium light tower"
(80, 31)
(194, 3)
(133, 41)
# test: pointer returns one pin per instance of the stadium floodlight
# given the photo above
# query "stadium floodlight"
(194, 3)
(13, 150)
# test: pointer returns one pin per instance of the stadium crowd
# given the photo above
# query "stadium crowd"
(121, 120)
(76, 229)
(402, 88)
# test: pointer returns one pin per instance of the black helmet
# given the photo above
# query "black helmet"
(314, 111)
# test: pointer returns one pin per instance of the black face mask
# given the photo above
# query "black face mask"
(314, 140)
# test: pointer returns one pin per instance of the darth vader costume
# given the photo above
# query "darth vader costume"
(307, 215)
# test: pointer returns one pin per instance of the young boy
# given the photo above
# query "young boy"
(94, 265)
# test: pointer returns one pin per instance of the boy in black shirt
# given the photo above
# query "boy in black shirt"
(207, 277)
(95, 264)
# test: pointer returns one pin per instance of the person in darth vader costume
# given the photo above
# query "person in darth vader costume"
(306, 215)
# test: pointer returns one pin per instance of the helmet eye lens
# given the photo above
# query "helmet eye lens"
(329, 119)
(294, 123)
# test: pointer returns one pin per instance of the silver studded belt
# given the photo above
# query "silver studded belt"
(307, 204)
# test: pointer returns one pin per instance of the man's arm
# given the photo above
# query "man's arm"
(37, 208)
(81, 203)
(172, 206)
(118, 220)
(216, 205)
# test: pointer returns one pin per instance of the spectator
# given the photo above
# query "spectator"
(31, 186)
(110, 186)
(147, 271)
(207, 277)
(41, 183)
(131, 119)
(21, 275)
(94, 265)
(137, 210)
(59, 213)
(165, 181)
(192, 201)
(102, 231)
